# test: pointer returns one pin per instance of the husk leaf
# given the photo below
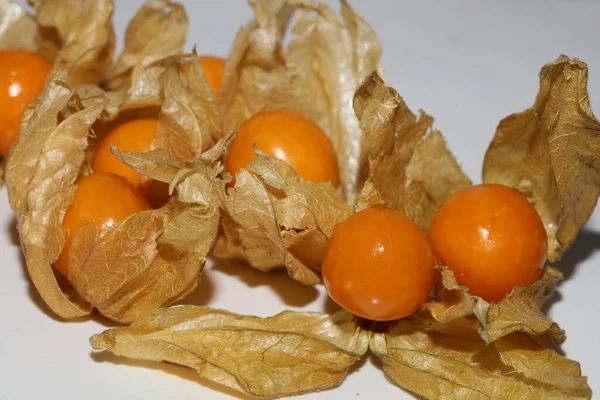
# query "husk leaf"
(289, 353)
(551, 153)
(449, 361)
(153, 258)
(273, 218)
(77, 36)
(410, 168)
(316, 75)
(519, 311)
(157, 31)
(40, 174)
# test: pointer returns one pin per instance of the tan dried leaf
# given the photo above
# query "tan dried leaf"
(449, 361)
(278, 219)
(189, 121)
(287, 354)
(325, 61)
(18, 30)
(520, 311)
(40, 174)
(78, 36)
(410, 166)
(157, 31)
(551, 152)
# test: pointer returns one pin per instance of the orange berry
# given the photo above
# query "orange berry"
(136, 135)
(378, 265)
(22, 78)
(289, 136)
(491, 237)
(107, 200)
(213, 69)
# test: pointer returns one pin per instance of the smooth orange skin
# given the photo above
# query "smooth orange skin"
(289, 136)
(107, 200)
(213, 69)
(136, 135)
(378, 265)
(22, 78)
(492, 238)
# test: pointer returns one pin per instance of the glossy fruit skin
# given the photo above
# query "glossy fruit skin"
(213, 69)
(106, 199)
(289, 136)
(22, 78)
(135, 135)
(492, 238)
(378, 264)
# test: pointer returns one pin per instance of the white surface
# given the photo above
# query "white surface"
(468, 63)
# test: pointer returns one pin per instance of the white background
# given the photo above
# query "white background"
(467, 63)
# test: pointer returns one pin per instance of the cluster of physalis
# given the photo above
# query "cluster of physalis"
(125, 177)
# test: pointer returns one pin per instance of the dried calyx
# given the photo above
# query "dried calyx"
(457, 345)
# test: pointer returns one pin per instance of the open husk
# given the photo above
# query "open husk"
(457, 346)
(316, 74)
(551, 153)
(154, 257)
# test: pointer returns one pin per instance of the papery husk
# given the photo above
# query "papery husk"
(77, 36)
(276, 219)
(316, 75)
(40, 173)
(154, 257)
(157, 31)
(551, 153)
(520, 311)
(287, 354)
(411, 169)
(450, 361)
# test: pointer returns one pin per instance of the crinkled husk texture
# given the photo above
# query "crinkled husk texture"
(316, 74)
(77, 36)
(551, 153)
(272, 217)
(457, 347)
(157, 31)
(154, 257)
(293, 353)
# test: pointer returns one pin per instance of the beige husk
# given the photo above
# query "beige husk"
(157, 31)
(551, 153)
(77, 36)
(316, 74)
(154, 257)
(290, 353)
(457, 347)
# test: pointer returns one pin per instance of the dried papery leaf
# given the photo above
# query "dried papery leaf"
(157, 31)
(326, 60)
(289, 353)
(520, 311)
(40, 173)
(189, 121)
(409, 164)
(450, 361)
(154, 258)
(279, 219)
(551, 153)
(18, 30)
(78, 36)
